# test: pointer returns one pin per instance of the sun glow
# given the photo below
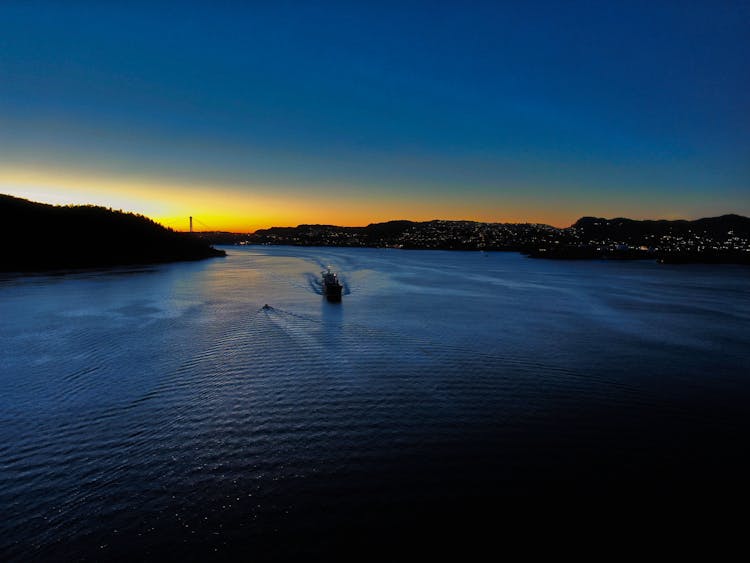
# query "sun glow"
(246, 208)
(227, 208)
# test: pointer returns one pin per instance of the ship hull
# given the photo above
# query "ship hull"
(331, 286)
(332, 292)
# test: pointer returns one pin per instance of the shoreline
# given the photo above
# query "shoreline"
(534, 253)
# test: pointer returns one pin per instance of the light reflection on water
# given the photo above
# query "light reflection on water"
(146, 408)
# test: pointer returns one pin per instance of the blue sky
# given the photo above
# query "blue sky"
(256, 112)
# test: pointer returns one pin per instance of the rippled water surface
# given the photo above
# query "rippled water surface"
(164, 411)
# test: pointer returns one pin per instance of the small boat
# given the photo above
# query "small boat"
(331, 286)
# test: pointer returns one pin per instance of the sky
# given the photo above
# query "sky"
(252, 114)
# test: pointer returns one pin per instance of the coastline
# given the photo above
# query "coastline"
(558, 254)
(42, 238)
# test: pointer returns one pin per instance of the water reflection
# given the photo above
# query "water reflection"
(332, 316)
(172, 406)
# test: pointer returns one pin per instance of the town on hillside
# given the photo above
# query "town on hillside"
(716, 239)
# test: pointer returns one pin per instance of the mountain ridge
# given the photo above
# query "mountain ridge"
(721, 239)
(39, 236)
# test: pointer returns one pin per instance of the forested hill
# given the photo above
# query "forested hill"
(639, 231)
(724, 239)
(38, 237)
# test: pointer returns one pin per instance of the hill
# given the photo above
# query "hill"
(38, 237)
(436, 234)
(724, 239)
(636, 231)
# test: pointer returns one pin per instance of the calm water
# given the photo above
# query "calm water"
(164, 412)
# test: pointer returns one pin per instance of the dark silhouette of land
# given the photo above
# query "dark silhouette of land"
(38, 237)
(437, 234)
(724, 239)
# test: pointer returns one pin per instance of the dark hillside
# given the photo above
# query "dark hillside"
(36, 237)
(716, 228)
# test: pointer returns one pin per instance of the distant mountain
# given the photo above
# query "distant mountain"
(713, 240)
(436, 234)
(633, 230)
(376, 234)
(37, 237)
(724, 239)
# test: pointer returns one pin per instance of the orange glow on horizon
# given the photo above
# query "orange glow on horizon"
(245, 209)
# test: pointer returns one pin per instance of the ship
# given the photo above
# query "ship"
(331, 286)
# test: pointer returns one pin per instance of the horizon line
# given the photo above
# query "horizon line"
(161, 220)
(458, 221)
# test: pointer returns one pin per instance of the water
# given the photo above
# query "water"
(164, 412)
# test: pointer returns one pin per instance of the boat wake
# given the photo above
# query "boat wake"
(314, 283)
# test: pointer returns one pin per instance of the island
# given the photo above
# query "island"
(39, 237)
(723, 239)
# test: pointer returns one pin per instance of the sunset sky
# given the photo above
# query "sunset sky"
(252, 114)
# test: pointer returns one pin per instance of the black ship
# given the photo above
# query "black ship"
(331, 286)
